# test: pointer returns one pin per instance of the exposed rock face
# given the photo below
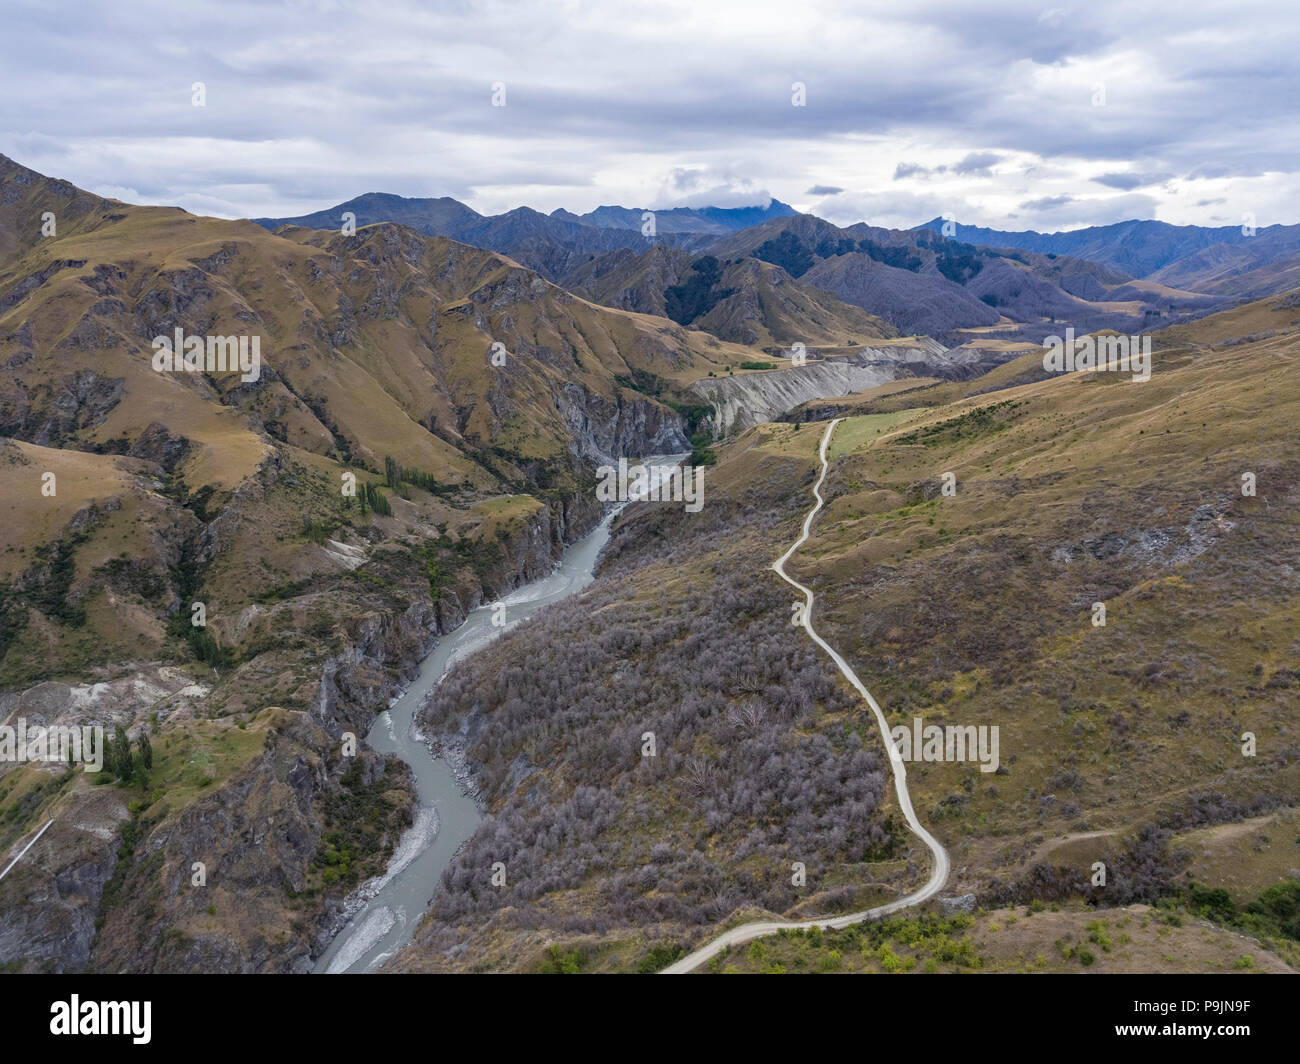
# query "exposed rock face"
(83, 900)
(80, 400)
(156, 444)
(752, 398)
(925, 352)
(1169, 545)
(49, 901)
(533, 553)
(256, 838)
(603, 430)
(739, 402)
(52, 926)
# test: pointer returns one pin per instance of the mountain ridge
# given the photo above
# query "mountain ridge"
(1145, 248)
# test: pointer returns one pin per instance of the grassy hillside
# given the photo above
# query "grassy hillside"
(1120, 744)
(978, 607)
(137, 496)
(1025, 940)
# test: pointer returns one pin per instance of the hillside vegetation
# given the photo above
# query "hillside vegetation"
(1118, 743)
(421, 438)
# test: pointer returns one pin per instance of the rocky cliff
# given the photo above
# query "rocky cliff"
(257, 801)
(750, 398)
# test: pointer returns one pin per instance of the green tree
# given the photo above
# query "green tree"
(118, 755)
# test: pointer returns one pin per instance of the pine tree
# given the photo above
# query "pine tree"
(118, 760)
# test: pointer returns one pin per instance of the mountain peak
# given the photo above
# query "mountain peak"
(440, 216)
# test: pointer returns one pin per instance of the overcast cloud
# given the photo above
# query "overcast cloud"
(1011, 115)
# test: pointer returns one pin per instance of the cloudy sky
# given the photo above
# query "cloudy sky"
(1013, 115)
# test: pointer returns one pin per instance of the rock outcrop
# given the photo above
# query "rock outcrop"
(751, 398)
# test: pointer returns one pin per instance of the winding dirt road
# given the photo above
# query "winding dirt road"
(939, 874)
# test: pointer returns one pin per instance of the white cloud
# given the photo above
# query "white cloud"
(977, 108)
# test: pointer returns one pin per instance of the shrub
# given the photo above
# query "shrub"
(660, 956)
(560, 962)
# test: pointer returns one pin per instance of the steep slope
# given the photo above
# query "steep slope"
(185, 559)
(815, 238)
(913, 302)
(390, 336)
(914, 282)
(740, 400)
(1261, 266)
(385, 347)
(1218, 264)
(952, 290)
(900, 283)
(978, 608)
(750, 302)
(767, 309)
(1118, 743)
(629, 278)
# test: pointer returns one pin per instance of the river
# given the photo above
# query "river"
(445, 815)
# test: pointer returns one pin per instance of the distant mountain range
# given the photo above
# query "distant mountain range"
(1198, 258)
(978, 284)
(553, 244)
(445, 216)
(681, 219)
(924, 283)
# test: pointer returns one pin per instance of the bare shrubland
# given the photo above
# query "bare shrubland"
(691, 642)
